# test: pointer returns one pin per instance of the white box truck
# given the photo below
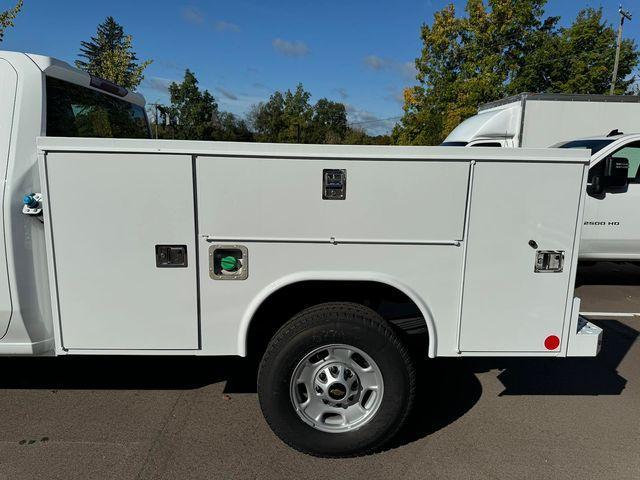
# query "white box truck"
(543, 119)
(293, 254)
(593, 122)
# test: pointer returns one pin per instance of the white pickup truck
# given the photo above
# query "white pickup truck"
(301, 256)
(610, 230)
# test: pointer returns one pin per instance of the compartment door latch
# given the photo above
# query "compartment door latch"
(549, 261)
(334, 184)
(171, 256)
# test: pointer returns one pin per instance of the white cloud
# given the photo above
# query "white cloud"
(227, 93)
(223, 26)
(406, 69)
(291, 49)
(369, 122)
(395, 95)
(157, 84)
(342, 92)
(375, 63)
(192, 15)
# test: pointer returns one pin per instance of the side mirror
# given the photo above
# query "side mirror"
(614, 177)
(616, 173)
(597, 185)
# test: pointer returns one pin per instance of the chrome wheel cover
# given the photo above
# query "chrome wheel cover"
(336, 388)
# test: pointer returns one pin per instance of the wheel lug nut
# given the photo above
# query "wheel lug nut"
(318, 389)
(323, 376)
(333, 370)
(354, 386)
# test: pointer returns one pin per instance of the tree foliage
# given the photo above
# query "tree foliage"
(193, 114)
(502, 48)
(110, 55)
(290, 117)
(287, 117)
(8, 16)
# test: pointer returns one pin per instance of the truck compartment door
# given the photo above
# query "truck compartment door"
(8, 83)
(123, 234)
(522, 225)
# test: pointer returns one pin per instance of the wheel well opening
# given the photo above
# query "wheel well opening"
(390, 303)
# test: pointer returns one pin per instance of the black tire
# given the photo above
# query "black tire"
(326, 324)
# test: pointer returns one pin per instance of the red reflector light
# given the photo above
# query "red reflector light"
(551, 342)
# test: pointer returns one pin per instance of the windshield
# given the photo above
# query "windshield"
(593, 145)
(76, 111)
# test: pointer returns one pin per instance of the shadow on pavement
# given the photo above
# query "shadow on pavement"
(447, 390)
(118, 372)
(567, 376)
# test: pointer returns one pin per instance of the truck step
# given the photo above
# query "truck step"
(586, 341)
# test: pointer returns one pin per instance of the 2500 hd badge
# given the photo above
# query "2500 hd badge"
(602, 224)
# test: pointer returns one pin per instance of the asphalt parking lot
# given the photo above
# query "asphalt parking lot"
(156, 418)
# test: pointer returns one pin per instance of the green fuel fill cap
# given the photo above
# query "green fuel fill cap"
(229, 263)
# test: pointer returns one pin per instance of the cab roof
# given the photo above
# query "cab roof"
(61, 70)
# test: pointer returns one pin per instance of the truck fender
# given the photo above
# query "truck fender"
(298, 277)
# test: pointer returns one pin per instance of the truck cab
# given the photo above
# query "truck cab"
(611, 230)
(42, 96)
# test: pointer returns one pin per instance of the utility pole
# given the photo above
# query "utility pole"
(623, 15)
(155, 106)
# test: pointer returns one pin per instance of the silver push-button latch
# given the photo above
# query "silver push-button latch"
(549, 261)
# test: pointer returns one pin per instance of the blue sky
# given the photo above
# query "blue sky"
(358, 52)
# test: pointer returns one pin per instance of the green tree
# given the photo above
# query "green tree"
(8, 16)
(283, 118)
(267, 118)
(195, 112)
(357, 136)
(500, 48)
(233, 129)
(579, 59)
(110, 55)
(328, 123)
(290, 117)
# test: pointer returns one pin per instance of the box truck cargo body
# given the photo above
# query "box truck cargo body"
(541, 120)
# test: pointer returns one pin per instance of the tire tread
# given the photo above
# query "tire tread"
(319, 315)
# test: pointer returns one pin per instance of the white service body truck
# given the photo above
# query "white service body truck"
(301, 255)
(611, 230)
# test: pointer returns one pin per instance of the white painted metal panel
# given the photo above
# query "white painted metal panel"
(507, 307)
(108, 212)
(547, 122)
(429, 274)
(8, 83)
(263, 198)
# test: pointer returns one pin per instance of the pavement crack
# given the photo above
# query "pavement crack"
(156, 448)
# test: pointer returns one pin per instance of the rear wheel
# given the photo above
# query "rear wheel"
(336, 381)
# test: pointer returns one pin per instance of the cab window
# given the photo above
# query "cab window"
(76, 111)
(632, 153)
(592, 145)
